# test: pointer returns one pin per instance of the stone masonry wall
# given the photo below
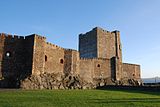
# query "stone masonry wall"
(105, 37)
(67, 62)
(2, 53)
(19, 50)
(74, 61)
(10, 55)
(94, 68)
(86, 69)
(51, 58)
(118, 45)
(15, 58)
(112, 47)
(38, 55)
(88, 44)
(54, 58)
(31, 61)
(131, 71)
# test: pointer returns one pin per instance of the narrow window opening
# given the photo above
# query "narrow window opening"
(120, 48)
(8, 54)
(45, 58)
(61, 61)
(98, 65)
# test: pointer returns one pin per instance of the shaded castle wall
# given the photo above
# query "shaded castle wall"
(88, 44)
(28, 58)
(130, 71)
(15, 57)
(94, 68)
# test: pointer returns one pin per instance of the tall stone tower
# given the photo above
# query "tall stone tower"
(99, 43)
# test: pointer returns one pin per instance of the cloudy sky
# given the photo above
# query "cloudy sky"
(62, 20)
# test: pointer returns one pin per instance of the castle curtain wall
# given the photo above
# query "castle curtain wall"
(16, 54)
(130, 71)
(90, 69)
(54, 59)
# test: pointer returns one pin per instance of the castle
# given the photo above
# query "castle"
(99, 57)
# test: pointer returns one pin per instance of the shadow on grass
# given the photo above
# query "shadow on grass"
(129, 100)
(133, 89)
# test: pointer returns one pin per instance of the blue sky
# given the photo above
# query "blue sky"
(62, 20)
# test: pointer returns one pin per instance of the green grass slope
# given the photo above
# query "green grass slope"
(78, 98)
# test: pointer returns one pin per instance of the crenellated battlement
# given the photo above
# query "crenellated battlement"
(101, 29)
(37, 36)
(131, 64)
(9, 36)
(40, 37)
(96, 29)
(5, 35)
(89, 32)
(71, 50)
(53, 45)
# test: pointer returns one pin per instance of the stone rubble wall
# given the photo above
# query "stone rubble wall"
(60, 81)
(54, 81)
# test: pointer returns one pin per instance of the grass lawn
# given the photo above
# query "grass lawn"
(78, 98)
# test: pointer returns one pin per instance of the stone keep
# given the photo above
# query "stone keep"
(100, 43)
(99, 58)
